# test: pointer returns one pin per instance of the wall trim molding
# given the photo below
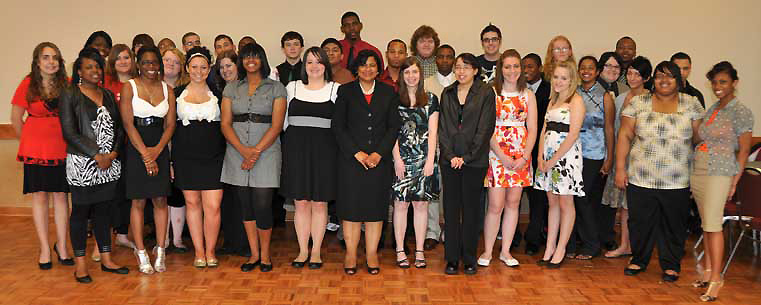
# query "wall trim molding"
(7, 132)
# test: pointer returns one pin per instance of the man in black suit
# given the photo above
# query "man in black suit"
(535, 233)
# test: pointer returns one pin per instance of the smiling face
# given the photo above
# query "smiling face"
(172, 65)
(588, 71)
(48, 61)
(315, 69)
(198, 69)
(369, 70)
(149, 66)
(511, 69)
(334, 53)
(222, 45)
(444, 60)
(561, 50)
(464, 72)
(425, 46)
(123, 62)
(723, 85)
(561, 79)
(665, 83)
(412, 76)
(351, 27)
(531, 69)
(292, 49)
(610, 71)
(190, 42)
(627, 49)
(396, 54)
(634, 79)
(228, 70)
(89, 72)
(491, 42)
(252, 64)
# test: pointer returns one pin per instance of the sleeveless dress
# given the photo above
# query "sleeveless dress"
(565, 176)
(511, 134)
(198, 146)
(413, 148)
(309, 146)
(139, 185)
(613, 196)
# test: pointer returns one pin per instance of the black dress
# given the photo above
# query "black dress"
(309, 146)
(364, 195)
(198, 146)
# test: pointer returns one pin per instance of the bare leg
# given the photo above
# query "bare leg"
(195, 221)
(351, 237)
(161, 219)
(400, 226)
(253, 240)
(302, 221)
(510, 219)
(177, 219)
(80, 266)
(264, 245)
(319, 221)
(567, 218)
(136, 222)
(40, 215)
(372, 237)
(420, 220)
(625, 246)
(211, 200)
(492, 220)
(553, 225)
(107, 261)
(61, 212)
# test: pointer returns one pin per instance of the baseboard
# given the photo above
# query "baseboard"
(7, 132)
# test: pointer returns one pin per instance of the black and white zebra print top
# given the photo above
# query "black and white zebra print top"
(83, 170)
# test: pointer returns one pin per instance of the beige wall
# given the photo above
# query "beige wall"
(709, 31)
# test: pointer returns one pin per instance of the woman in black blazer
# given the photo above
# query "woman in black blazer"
(366, 124)
(466, 124)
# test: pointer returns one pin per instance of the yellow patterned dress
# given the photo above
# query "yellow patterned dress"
(511, 134)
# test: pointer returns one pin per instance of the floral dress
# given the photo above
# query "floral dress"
(511, 134)
(564, 178)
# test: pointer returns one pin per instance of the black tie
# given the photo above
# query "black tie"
(351, 57)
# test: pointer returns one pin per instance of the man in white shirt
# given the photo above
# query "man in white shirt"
(436, 84)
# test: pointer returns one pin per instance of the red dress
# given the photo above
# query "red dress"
(115, 86)
(41, 140)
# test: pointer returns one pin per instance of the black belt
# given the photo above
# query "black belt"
(558, 127)
(149, 121)
(252, 117)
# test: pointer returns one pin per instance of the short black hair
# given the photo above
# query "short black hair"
(349, 14)
(253, 50)
(673, 69)
(680, 55)
(606, 56)
(396, 40)
(150, 49)
(361, 60)
(143, 39)
(223, 36)
(322, 57)
(90, 53)
(534, 57)
(97, 34)
(334, 41)
(491, 28)
(246, 37)
(188, 34)
(291, 35)
(445, 46)
(625, 37)
(589, 57)
(471, 60)
(203, 51)
(722, 67)
(642, 65)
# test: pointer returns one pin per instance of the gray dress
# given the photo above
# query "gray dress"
(266, 171)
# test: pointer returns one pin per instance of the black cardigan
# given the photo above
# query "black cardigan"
(77, 113)
(478, 121)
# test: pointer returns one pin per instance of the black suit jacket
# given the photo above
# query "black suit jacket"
(542, 102)
(473, 134)
(359, 126)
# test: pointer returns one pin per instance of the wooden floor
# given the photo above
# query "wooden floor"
(577, 282)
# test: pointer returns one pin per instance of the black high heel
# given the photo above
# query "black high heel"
(63, 261)
(373, 270)
(350, 270)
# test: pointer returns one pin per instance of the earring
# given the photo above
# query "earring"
(80, 80)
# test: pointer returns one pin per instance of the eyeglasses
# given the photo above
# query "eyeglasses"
(563, 49)
(664, 76)
(611, 66)
(488, 40)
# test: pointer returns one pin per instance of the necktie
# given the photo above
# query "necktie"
(351, 57)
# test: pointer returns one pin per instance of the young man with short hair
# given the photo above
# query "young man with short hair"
(396, 53)
(352, 43)
(223, 43)
(290, 70)
(684, 62)
(190, 40)
(627, 49)
(246, 40)
(491, 41)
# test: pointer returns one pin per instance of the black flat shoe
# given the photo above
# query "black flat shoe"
(121, 270)
(471, 269)
(175, 249)
(669, 278)
(63, 261)
(632, 272)
(46, 266)
(542, 262)
(265, 267)
(551, 265)
(451, 268)
(350, 270)
(296, 264)
(314, 265)
(247, 267)
(84, 280)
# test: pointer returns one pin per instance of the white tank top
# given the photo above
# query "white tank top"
(143, 109)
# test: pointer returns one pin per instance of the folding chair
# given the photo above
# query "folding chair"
(748, 194)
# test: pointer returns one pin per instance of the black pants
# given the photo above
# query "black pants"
(462, 208)
(658, 218)
(606, 223)
(256, 205)
(585, 228)
(232, 221)
(101, 219)
(537, 215)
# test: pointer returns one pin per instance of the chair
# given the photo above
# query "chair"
(748, 193)
(730, 214)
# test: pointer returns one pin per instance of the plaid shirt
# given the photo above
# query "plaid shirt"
(429, 66)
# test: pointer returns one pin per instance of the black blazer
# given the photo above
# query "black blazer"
(478, 120)
(77, 113)
(362, 127)
(542, 102)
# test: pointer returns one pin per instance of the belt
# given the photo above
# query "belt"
(308, 121)
(557, 126)
(252, 117)
(149, 121)
(511, 124)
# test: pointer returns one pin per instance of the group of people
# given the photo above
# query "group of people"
(586, 139)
